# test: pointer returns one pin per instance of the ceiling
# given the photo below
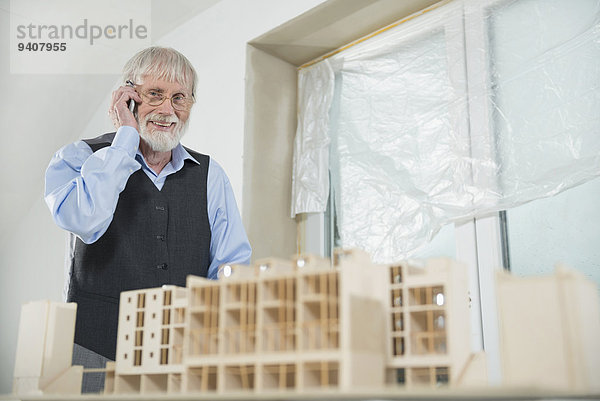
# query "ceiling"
(333, 24)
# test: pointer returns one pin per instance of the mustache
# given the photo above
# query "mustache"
(161, 118)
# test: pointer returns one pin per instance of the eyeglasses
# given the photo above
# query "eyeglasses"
(179, 101)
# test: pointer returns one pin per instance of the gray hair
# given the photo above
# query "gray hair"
(161, 62)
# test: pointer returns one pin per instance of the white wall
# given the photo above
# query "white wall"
(40, 113)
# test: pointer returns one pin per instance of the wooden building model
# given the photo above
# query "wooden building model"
(307, 324)
(550, 331)
(149, 341)
(295, 326)
(45, 350)
(429, 321)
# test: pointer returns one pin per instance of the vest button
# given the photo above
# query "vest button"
(162, 266)
(160, 237)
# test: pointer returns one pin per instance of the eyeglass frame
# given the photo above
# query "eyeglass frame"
(144, 97)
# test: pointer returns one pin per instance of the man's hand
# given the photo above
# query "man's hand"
(119, 107)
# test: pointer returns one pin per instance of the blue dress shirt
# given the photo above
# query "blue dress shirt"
(82, 190)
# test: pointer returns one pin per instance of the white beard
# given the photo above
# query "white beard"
(161, 141)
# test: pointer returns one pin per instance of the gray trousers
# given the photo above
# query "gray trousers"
(92, 382)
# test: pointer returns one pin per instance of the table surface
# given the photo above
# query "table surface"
(448, 394)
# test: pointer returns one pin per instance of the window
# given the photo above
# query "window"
(449, 133)
(545, 85)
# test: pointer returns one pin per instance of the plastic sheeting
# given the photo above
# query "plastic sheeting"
(434, 121)
(310, 177)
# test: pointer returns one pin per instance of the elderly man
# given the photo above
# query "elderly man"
(142, 210)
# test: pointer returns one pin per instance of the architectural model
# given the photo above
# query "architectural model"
(557, 350)
(308, 324)
(45, 349)
(296, 325)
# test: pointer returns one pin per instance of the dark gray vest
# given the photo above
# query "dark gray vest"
(155, 238)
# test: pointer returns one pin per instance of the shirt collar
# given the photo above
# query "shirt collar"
(178, 156)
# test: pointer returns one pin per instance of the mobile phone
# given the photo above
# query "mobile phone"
(132, 103)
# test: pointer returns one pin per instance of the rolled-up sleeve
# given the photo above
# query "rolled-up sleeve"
(82, 187)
